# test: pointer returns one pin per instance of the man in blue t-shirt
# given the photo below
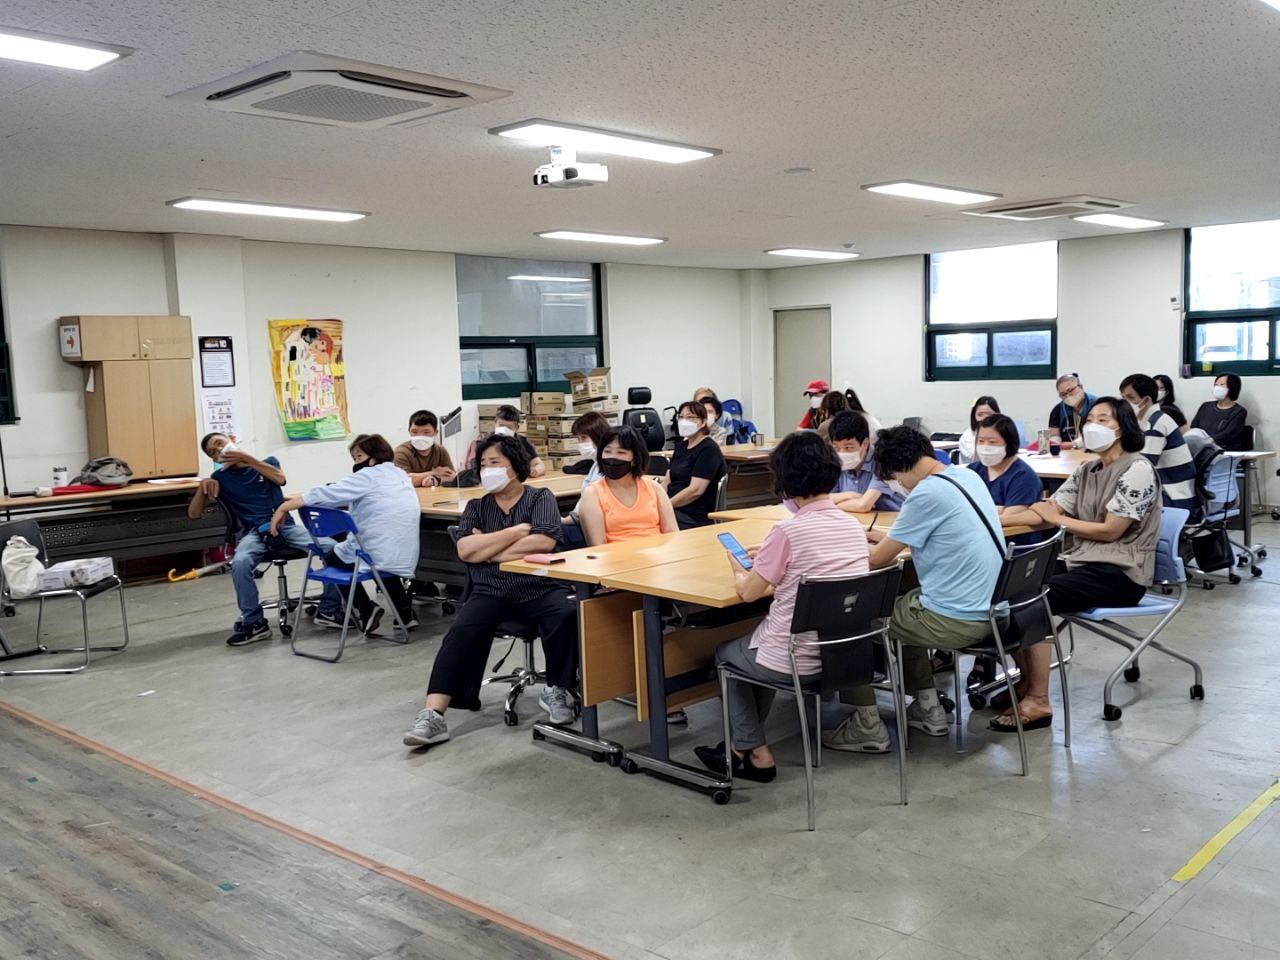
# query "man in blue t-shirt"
(858, 490)
(250, 490)
(955, 554)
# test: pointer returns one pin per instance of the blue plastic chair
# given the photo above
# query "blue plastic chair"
(1164, 600)
(326, 522)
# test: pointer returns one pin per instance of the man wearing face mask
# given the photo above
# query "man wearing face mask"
(1068, 414)
(510, 522)
(815, 391)
(508, 425)
(1165, 446)
(250, 490)
(422, 456)
(858, 490)
(697, 464)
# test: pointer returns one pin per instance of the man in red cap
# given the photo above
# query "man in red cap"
(816, 390)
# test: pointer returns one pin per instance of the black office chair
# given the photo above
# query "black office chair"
(644, 418)
(279, 556)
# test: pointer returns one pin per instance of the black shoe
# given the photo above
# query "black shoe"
(713, 759)
(251, 633)
(375, 620)
(678, 718)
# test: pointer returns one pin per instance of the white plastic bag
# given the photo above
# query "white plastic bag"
(22, 567)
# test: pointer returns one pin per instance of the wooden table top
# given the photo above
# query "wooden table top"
(883, 518)
(451, 501)
(745, 452)
(139, 489)
(1059, 467)
(707, 580)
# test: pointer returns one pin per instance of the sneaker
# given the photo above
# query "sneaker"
(331, 620)
(428, 728)
(371, 625)
(558, 702)
(251, 633)
(858, 735)
(930, 720)
(411, 622)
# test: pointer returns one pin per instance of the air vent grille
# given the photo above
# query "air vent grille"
(1048, 209)
(324, 101)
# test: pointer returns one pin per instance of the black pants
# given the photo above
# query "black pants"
(362, 604)
(1092, 585)
(460, 664)
(686, 521)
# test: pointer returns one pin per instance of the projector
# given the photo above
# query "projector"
(566, 175)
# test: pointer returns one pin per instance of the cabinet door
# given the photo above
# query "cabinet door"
(173, 417)
(124, 401)
(108, 338)
(164, 338)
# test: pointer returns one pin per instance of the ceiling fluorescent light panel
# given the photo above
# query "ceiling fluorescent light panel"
(587, 236)
(547, 133)
(250, 208)
(937, 192)
(808, 254)
(50, 51)
(1119, 220)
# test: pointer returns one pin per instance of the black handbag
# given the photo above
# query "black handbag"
(1212, 549)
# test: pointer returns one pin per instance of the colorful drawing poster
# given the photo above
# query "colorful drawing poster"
(310, 379)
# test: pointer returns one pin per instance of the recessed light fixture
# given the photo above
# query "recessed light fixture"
(917, 190)
(56, 51)
(588, 236)
(813, 254)
(548, 133)
(798, 170)
(1119, 220)
(209, 205)
(539, 279)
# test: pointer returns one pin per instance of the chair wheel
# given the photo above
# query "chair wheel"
(538, 734)
(720, 797)
(1260, 553)
(628, 766)
(948, 704)
(1233, 578)
(510, 718)
(978, 701)
(1209, 584)
(1255, 571)
(1132, 674)
(286, 630)
(1110, 712)
(448, 609)
(1275, 514)
(1197, 692)
(1242, 561)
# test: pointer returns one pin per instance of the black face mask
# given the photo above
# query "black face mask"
(357, 467)
(615, 469)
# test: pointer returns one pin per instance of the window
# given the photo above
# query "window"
(524, 324)
(1233, 298)
(992, 314)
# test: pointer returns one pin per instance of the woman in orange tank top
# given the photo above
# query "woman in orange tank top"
(624, 503)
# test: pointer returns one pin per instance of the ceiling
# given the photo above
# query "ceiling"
(1160, 102)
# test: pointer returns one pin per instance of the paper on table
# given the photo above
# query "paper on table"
(164, 480)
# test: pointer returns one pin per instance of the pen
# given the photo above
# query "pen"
(874, 517)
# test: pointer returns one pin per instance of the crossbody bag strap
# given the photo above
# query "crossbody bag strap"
(978, 510)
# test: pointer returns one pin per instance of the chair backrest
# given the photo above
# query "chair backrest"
(1026, 571)
(326, 521)
(1022, 434)
(1169, 566)
(28, 529)
(722, 492)
(841, 608)
(647, 421)
(452, 530)
(912, 422)
(658, 465)
(942, 456)
(1220, 485)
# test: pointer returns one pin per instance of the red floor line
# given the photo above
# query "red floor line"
(409, 880)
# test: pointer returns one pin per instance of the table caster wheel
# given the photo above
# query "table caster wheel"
(286, 630)
(628, 766)
(720, 797)
(1275, 514)
(614, 759)
(1132, 673)
(1110, 712)
(597, 757)
(948, 704)
(510, 718)
(538, 734)
(1197, 692)
(978, 701)
(1255, 571)
(1208, 584)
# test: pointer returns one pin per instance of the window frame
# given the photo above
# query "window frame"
(989, 371)
(8, 395)
(1194, 319)
(531, 344)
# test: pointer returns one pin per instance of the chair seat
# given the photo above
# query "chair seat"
(284, 555)
(1148, 606)
(521, 629)
(88, 591)
(340, 577)
(810, 685)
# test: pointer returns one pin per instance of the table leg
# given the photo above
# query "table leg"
(1246, 515)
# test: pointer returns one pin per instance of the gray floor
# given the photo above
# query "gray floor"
(1074, 861)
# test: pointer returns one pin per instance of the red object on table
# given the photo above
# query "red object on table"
(82, 488)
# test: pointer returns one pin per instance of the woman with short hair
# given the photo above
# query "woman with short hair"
(1222, 418)
(625, 504)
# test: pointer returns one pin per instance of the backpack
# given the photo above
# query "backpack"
(105, 472)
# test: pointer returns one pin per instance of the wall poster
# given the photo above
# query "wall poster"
(310, 378)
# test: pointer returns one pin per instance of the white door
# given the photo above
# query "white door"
(801, 352)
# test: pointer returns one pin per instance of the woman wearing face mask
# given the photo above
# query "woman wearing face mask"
(1169, 402)
(982, 408)
(723, 425)
(1110, 509)
(422, 456)
(1222, 418)
(626, 504)
(813, 393)
(696, 468)
(832, 404)
(386, 511)
(1010, 480)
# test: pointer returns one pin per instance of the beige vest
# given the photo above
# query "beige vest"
(1135, 552)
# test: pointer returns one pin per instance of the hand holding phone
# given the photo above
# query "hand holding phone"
(736, 549)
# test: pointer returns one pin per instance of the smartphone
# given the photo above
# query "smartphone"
(730, 543)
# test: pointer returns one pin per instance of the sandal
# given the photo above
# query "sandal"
(743, 768)
(1002, 724)
(1001, 701)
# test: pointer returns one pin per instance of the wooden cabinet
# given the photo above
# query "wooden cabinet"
(141, 407)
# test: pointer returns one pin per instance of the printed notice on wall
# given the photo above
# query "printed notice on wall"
(217, 366)
(220, 411)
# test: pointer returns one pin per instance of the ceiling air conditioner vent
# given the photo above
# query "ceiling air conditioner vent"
(316, 88)
(1047, 209)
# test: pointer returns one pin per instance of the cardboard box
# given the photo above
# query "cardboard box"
(541, 449)
(589, 386)
(604, 405)
(76, 573)
(559, 463)
(546, 404)
(488, 411)
(563, 445)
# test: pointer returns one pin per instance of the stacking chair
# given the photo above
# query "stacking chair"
(30, 530)
(843, 611)
(722, 492)
(1020, 616)
(326, 522)
(1171, 583)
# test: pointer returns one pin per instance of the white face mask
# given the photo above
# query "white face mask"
(229, 447)
(1219, 393)
(1160, 395)
(851, 461)
(494, 479)
(504, 431)
(1137, 409)
(687, 428)
(815, 403)
(1075, 397)
(587, 449)
(990, 454)
(1097, 437)
(896, 486)
(422, 443)
(711, 421)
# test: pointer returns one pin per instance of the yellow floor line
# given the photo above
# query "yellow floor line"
(1228, 833)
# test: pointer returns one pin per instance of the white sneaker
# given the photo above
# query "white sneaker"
(858, 734)
(428, 728)
(558, 702)
(930, 720)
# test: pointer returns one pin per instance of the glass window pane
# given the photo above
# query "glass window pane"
(960, 350)
(1236, 266)
(1026, 348)
(494, 365)
(501, 297)
(994, 285)
(554, 362)
(1230, 341)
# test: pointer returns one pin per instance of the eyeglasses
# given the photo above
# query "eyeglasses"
(1063, 394)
